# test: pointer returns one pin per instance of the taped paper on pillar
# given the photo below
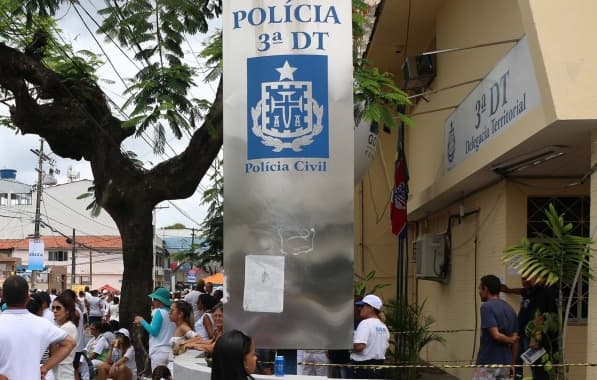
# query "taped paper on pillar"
(264, 284)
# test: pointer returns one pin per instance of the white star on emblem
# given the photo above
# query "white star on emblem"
(286, 71)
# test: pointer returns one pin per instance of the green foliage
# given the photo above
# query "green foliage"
(360, 287)
(211, 232)
(410, 332)
(212, 53)
(156, 30)
(543, 331)
(93, 207)
(551, 258)
(176, 226)
(376, 96)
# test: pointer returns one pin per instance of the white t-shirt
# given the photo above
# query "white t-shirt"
(95, 306)
(65, 369)
(200, 326)
(24, 338)
(192, 299)
(130, 363)
(99, 345)
(114, 312)
(375, 335)
(82, 303)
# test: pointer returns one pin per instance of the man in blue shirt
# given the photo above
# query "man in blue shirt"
(499, 332)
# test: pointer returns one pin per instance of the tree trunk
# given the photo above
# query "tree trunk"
(137, 241)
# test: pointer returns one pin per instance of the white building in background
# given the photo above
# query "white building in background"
(98, 247)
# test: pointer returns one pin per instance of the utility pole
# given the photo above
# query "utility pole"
(40, 168)
(90, 269)
(73, 263)
(40, 163)
(41, 157)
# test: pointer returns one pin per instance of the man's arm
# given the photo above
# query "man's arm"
(514, 348)
(61, 351)
(505, 289)
(502, 338)
(358, 347)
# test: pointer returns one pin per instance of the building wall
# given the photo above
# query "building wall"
(478, 241)
(558, 34)
(375, 245)
(563, 31)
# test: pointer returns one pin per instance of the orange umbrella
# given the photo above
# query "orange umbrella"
(217, 278)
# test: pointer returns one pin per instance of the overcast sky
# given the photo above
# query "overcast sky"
(15, 148)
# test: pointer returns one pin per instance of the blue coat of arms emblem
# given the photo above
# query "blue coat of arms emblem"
(286, 116)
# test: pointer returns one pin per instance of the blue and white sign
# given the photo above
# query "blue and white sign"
(36, 255)
(504, 96)
(288, 102)
(289, 171)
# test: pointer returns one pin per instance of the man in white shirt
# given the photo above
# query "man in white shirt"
(25, 336)
(370, 341)
(193, 297)
(95, 307)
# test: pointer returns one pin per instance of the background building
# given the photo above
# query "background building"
(97, 245)
(506, 124)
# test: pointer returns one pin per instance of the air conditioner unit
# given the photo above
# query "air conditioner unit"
(431, 258)
(159, 271)
(418, 71)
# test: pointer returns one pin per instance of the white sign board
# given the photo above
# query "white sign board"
(502, 98)
(36, 255)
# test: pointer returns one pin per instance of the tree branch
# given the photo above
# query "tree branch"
(179, 176)
(73, 121)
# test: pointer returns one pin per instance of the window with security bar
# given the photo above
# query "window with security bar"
(57, 256)
(576, 211)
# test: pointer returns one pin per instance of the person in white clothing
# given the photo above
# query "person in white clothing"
(114, 310)
(95, 307)
(192, 297)
(25, 336)
(120, 362)
(370, 341)
(205, 325)
(67, 317)
(161, 328)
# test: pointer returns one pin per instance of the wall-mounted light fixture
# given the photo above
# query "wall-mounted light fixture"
(531, 159)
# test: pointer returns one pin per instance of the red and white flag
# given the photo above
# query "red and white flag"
(399, 197)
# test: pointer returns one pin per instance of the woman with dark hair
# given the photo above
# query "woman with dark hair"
(234, 357)
(207, 345)
(67, 318)
(181, 314)
(79, 307)
(120, 362)
(205, 324)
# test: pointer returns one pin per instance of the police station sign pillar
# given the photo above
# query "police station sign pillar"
(288, 171)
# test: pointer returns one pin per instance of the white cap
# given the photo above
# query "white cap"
(371, 300)
(124, 332)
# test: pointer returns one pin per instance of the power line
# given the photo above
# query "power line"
(117, 107)
(77, 212)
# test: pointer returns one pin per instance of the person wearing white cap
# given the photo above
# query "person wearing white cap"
(120, 362)
(370, 341)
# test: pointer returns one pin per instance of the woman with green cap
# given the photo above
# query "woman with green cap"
(160, 329)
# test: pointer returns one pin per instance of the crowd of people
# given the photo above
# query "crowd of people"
(68, 336)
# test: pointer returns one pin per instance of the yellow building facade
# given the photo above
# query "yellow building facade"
(488, 151)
